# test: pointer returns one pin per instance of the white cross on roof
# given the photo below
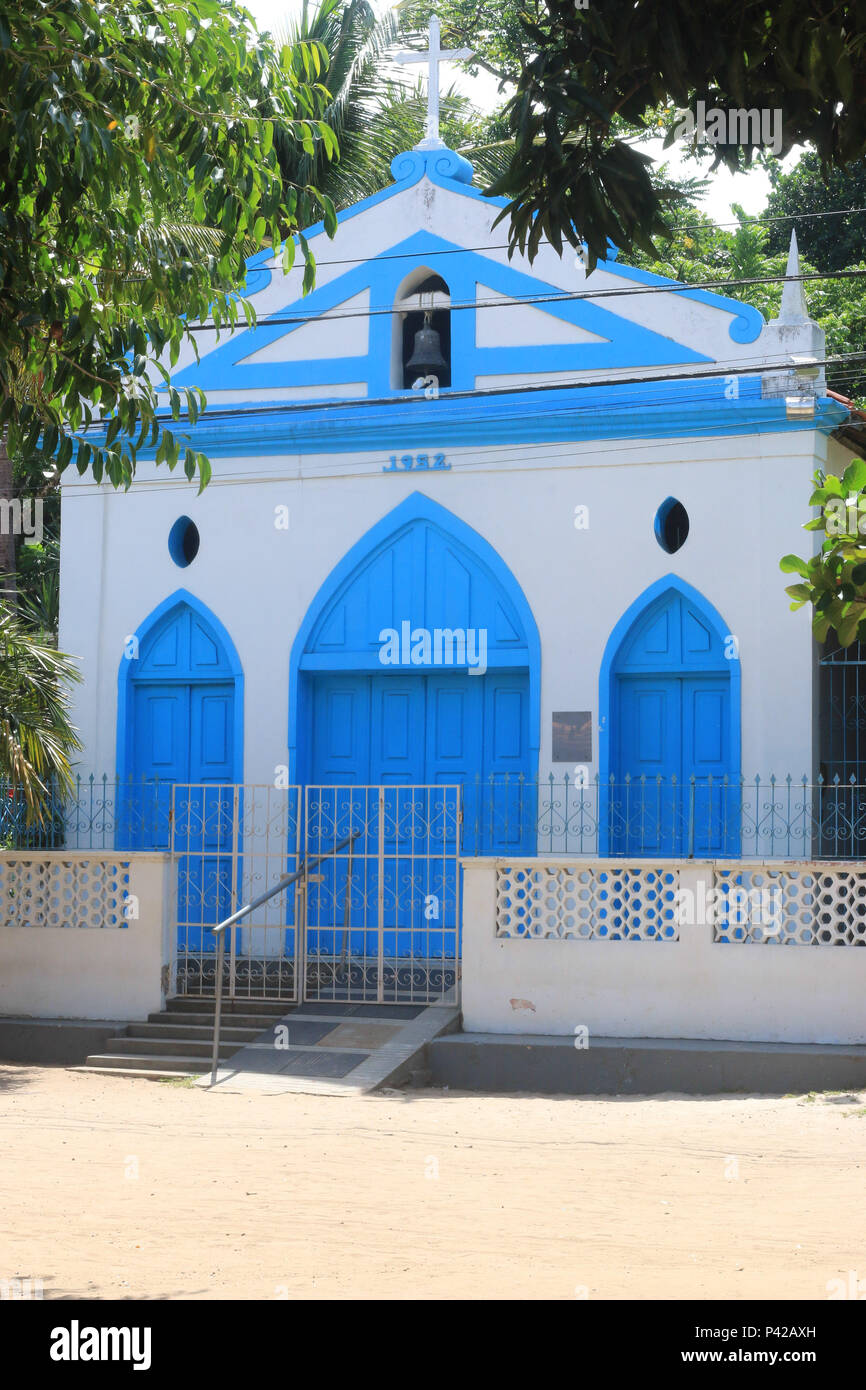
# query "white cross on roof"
(433, 56)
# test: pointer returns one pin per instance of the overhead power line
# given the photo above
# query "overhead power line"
(691, 227)
(716, 370)
(525, 457)
(559, 297)
(505, 246)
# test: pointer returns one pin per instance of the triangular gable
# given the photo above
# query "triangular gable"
(529, 324)
(242, 363)
(345, 332)
(619, 342)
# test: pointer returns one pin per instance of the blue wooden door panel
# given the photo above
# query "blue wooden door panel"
(508, 817)
(706, 757)
(211, 733)
(397, 710)
(673, 721)
(455, 719)
(455, 714)
(407, 730)
(646, 816)
(206, 824)
(340, 759)
(423, 574)
(212, 761)
(340, 731)
(161, 757)
(182, 705)
(397, 730)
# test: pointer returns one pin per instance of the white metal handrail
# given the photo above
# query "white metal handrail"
(220, 930)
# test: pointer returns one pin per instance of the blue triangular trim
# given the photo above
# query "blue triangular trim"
(449, 170)
(626, 344)
(747, 321)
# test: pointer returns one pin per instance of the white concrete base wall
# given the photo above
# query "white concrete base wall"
(691, 988)
(91, 972)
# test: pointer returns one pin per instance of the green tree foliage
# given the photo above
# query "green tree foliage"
(699, 251)
(834, 580)
(373, 115)
(575, 178)
(831, 243)
(397, 121)
(353, 42)
(115, 121)
(493, 29)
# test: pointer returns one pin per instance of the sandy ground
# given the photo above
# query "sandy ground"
(134, 1189)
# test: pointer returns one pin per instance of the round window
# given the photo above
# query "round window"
(671, 525)
(183, 541)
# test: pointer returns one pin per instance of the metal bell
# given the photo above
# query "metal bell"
(427, 352)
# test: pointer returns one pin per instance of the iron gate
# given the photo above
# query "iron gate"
(376, 922)
(842, 748)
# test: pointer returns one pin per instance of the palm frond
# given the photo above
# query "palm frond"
(356, 41)
(36, 733)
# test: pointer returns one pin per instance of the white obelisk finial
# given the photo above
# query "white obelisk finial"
(793, 307)
(433, 56)
(795, 346)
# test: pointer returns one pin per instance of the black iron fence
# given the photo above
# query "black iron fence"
(773, 817)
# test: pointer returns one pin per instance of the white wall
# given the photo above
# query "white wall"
(746, 496)
(691, 988)
(746, 499)
(93, 972)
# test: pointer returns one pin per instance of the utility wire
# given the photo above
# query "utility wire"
(691, 227)
(714, 370)
(515, 458)
(509, 301)
(505, 246)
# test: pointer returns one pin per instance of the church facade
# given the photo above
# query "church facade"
(552, 553)
(483, 605)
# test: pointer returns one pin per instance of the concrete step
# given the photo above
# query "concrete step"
(134, 1072)
(155, 1047)
(183, 1019)
(179, 1041)
(161, 1027)
(193, 1003)
(167, 1065)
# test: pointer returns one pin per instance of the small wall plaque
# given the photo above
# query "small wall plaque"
(572, 736)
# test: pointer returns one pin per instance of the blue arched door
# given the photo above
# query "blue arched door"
(672, 684)
(179, 727)
(418, 666)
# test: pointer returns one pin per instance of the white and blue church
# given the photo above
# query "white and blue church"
(474, 522)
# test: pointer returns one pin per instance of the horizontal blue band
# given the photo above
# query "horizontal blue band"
(641, 411)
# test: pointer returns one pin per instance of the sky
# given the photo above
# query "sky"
(749, 189)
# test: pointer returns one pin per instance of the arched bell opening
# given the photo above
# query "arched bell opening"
(421, 339)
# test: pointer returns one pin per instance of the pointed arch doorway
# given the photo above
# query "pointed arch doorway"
(452, 696)
(669, 704)
(417, 666)
(180, 724)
